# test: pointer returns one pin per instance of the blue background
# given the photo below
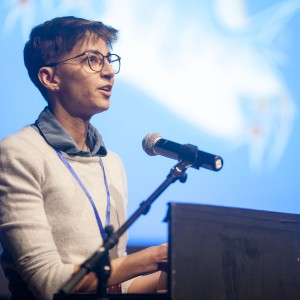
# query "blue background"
(144, 98)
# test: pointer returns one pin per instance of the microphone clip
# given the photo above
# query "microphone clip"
(188, 155)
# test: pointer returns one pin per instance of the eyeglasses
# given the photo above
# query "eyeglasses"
(95, 60)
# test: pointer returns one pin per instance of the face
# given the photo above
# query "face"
(81, 91)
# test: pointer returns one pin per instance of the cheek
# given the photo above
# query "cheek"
(80, 85)
(74, 86)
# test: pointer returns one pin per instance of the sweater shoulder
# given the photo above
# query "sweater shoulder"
(24, 145)
(26, 138)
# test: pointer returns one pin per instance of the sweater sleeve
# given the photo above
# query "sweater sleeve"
(24, 229)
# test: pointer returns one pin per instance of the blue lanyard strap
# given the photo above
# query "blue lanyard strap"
(101, 229)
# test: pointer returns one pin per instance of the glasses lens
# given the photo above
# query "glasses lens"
(114, 61)
(95, 61)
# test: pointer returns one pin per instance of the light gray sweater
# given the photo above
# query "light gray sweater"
(47, 223)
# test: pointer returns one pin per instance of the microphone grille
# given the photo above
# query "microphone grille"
(149, 142)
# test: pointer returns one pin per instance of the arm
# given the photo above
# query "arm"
(151, 283)
(29, 251)
(149, 260)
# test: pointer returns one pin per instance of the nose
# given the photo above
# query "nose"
(107, 70)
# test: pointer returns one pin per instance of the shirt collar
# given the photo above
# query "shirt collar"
(60, 139)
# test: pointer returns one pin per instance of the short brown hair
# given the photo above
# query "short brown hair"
(49, 41)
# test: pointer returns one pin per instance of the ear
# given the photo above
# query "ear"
(48, 78)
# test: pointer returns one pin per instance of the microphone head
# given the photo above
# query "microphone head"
(149, 142)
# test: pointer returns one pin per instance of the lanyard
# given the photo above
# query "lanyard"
(100, 226)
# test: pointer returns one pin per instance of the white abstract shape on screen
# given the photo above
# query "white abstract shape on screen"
(232, 13)
(22, 11)
(226, 85)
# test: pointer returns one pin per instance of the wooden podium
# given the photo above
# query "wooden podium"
(222, 253)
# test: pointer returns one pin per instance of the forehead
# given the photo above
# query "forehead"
(91, 43)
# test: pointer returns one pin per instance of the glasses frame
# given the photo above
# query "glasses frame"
(107, 57)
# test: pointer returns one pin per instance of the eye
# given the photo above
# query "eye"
(94, 59)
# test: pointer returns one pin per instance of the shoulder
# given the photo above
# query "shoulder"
(113, 159)
(27, 136)
(26, 145)
(115, 167)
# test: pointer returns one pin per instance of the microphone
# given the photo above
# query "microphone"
(154, 144)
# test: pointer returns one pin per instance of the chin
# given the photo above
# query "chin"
(102, 105)
(102, 109)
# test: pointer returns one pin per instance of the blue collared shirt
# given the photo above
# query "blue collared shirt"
(59, 138)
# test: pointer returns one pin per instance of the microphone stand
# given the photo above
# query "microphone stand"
(99, 261)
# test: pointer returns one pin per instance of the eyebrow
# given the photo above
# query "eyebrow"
(93, 50)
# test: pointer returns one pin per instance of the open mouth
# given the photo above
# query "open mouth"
(106, 90)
